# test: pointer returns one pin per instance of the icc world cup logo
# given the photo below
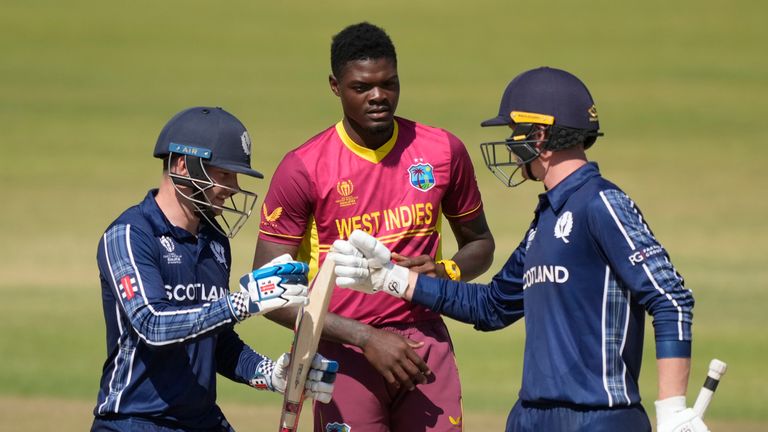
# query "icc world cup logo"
(345, 188)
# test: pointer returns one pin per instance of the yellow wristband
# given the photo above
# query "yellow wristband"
(451, 268)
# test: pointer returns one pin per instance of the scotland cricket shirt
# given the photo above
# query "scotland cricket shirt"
(584, 275)
(330, 186)
(169, 320)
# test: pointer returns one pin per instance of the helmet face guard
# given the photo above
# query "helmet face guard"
(193, 187)
(506, 158)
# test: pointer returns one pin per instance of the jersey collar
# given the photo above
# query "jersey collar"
(160, 224)
(558, 195)
(373, 156)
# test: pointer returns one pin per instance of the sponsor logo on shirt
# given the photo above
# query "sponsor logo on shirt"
(422, 176)
(564, 226)
(338, 427)
(270, 217)
(545, 273)
(194, 291)
(345, 188)
(128, 286)
(219, 253)
(642, 255)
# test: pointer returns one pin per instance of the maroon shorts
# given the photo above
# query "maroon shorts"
(364, 402)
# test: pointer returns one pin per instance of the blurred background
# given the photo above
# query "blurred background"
(86, 86)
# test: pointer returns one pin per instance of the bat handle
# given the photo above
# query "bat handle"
(717, 369)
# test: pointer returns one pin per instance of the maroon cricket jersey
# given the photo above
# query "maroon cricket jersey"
(330, 186)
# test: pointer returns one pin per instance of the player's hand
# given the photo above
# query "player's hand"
(320, 380)
(364, 264)
(280, 283)
(673, 416)
(423, 264)
(395, 358)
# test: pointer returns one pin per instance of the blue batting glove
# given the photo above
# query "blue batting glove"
(281, 282)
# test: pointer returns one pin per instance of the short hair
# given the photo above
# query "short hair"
(362, 41)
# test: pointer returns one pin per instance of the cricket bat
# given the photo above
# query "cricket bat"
(717, 369)
(309, 326)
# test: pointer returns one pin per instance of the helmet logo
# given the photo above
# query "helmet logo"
(422, 176)
(592, 113)
(245, 139)
(564, 226)
(529, 117)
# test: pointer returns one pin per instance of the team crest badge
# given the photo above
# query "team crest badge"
(218, 253)
(338, 427)
(564, 226)
(245, 140)
(422, 176)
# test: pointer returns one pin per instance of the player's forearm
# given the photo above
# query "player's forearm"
(344, 330)
(673, 376)
(475, 257)
(159, 325)
(488, 307)
(476, 246)
(286, 317)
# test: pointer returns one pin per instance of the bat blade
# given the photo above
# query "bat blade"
(309, 327)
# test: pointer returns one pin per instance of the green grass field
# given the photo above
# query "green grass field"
(85, 87)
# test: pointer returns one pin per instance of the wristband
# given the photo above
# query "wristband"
(451, 269)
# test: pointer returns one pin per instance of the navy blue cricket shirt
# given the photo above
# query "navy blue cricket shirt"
(583, 277)
(169, 320)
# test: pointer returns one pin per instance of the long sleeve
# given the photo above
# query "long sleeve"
(643, 266)
(488, 306)
(126, 258)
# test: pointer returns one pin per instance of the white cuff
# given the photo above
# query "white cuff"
(397, 281)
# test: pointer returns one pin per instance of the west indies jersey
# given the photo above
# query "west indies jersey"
(330, 186)
(584, 275)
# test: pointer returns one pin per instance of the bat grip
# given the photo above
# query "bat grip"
(716, 371)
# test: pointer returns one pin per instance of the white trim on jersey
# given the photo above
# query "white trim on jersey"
(602, 331)
(616, 219)
(645, 266)
(116, 366)
(623, 344)
(669, 297)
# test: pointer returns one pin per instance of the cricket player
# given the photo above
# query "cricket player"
(164, 266)
(396, 179)
(585, 273)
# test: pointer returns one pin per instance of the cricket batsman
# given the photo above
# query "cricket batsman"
(164, 266)
(586, 272)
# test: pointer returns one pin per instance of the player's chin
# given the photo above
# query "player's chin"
(381, 125)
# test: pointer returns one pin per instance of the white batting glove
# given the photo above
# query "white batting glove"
(320, 380)
(673, 416)
(364, 264)
(280, 283)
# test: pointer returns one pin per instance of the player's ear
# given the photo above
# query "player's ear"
(334, 83)
(179, 165)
